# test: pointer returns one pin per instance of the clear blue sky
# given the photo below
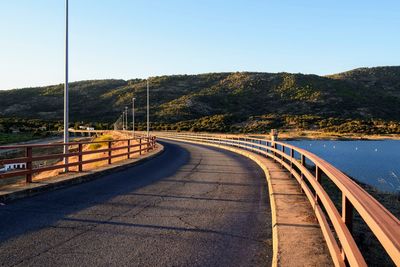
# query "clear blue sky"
(140, 38)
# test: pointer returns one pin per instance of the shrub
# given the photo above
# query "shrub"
(96, 146)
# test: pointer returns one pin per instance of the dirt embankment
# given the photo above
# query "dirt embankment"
(93, 147)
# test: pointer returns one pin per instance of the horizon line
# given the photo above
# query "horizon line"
(189, 74)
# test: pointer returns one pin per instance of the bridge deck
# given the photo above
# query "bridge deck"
(191, 206)
(298, 239)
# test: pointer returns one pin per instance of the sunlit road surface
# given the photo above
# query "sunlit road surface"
(191, 206)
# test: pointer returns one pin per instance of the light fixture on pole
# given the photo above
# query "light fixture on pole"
(148, 127)
(66, 102)
(133, 116)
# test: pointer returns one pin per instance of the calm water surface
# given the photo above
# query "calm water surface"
(376, 163)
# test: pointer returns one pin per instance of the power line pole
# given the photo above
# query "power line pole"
(66, 102)
(133, 116)
(148, 126)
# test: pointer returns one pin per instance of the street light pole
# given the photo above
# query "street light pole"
(126, 118)
(133, 116)
(123, 120)
(66, 102)
(148, 127)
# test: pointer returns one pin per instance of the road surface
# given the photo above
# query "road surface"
(191, 206)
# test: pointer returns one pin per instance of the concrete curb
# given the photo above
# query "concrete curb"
(78, 178)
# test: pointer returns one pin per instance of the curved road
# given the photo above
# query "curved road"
(191, 206)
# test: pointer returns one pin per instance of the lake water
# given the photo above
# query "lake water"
(376, 163)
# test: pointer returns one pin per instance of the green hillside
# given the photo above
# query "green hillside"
(363, 100)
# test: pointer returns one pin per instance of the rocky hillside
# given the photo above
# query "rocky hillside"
(362, 100)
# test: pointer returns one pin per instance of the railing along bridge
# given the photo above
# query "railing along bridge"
(129, 146)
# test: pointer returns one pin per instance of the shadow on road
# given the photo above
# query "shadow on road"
(34, 213)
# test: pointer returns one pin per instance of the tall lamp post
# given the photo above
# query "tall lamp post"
(148, 126)
(66, 102)
(133, 116)
(123, 120)
(126, 118)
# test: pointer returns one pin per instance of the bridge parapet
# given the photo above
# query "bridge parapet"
(341, 244)
(112, 150)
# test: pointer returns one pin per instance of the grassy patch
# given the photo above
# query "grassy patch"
(9, 138)
(96, 146)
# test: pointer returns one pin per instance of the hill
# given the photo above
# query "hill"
(385, 79)
(363, 100)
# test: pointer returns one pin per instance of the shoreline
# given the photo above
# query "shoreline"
(316, 135)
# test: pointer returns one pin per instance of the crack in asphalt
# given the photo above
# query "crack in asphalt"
(193, 226)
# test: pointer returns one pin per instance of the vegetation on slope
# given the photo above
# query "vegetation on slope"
(362, 100)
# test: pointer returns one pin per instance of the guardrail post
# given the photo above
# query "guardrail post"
(347, 212)
(282, 157)
(80, 158)
(347, 217)
(28, 154)
(303, 163)
(109, 151)
(291, 161)
(318, 177)
(266, 149)
(140, 146)
(303, 160)
(129, 148)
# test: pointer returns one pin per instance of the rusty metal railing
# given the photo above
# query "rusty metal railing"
(131, 145)
(384, 225)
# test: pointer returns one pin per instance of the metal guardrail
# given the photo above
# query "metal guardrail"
(131, 146)
(384, 225)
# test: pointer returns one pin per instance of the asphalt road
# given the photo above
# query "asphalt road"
(191, 206)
